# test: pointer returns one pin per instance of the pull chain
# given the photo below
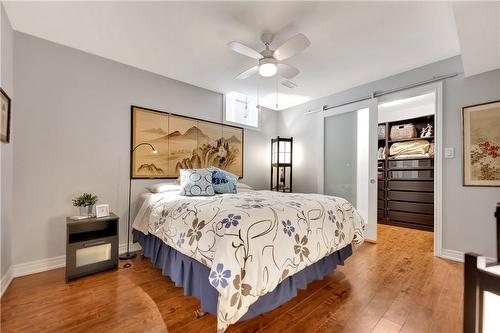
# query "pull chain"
(276, 91)
(258, 91)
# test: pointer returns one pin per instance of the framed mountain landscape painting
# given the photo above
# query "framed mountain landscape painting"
(163, 143)
(481, 144)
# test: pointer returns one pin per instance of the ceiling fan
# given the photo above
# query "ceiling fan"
(270, 61)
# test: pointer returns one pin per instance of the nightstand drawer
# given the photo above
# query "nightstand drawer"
(91, 256)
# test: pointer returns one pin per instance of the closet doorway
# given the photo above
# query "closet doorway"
(409, 164)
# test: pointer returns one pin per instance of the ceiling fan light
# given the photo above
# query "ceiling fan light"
(267, 70)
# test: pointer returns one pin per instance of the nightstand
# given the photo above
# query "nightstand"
(91, 245)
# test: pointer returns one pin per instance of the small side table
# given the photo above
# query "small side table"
(91, 245)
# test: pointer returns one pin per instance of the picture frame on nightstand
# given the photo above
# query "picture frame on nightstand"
(102, 210)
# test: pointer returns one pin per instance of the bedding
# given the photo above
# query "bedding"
(409, 147)
(410, 156)
(192, 276)
(250, 241)
(163, 187)
(244, 186)
(223, 181)
(196, 182)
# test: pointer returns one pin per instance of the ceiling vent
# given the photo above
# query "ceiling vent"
(289, 84)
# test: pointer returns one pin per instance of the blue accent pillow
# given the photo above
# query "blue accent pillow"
(223, 181)
(196, 182)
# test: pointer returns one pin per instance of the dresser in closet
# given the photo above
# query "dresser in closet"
(406, 183)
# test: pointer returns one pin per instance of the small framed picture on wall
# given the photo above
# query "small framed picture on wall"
(481, 144)
(4, 117)
(101, 210)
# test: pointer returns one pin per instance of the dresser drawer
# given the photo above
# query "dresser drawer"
(411, 174)
(411, 196)
(411, 185)
(427, 163)
(380, 194)
(411, 207)
(412, 218)
(381, 185)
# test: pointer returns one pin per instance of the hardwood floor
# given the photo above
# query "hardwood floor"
(393, 286)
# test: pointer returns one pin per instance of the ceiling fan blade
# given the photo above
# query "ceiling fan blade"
(287, 71)
(248, 73)
(291, 47)
(245, 50)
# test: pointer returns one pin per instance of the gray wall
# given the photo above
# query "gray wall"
(468, 223)
(73, 134)
(6, 150)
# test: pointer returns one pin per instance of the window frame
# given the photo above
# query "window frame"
(245, 126)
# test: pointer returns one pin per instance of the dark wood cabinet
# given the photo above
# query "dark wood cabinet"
(91, 245)
(406, 185)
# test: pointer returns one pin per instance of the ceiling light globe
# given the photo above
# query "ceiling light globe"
(267, 70)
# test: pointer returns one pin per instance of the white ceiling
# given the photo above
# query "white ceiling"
(352, 42)
(478, 26)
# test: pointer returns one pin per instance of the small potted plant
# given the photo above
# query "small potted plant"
(86, 203)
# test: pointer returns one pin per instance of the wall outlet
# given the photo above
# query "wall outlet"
(449, 152)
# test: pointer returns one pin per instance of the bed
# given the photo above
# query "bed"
(247, 253)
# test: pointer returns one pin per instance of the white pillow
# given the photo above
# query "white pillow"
(163, 187)
(243, 186)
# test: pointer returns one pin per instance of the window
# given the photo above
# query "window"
(241, 109)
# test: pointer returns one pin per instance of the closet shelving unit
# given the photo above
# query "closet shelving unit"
(406, 186)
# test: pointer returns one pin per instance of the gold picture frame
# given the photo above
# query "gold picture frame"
(481, 144)
(162, 143)
(5, 114)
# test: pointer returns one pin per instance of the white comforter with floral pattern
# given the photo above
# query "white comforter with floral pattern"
(251, 241)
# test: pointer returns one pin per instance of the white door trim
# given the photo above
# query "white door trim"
(437, 89)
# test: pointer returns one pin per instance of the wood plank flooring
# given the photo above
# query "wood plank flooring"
(396, 285)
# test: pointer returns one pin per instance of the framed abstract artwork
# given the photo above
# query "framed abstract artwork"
(481, 144)
(4, 117)
(163, 143)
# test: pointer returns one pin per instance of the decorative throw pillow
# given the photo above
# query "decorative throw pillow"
(223, 181)
(196, 182)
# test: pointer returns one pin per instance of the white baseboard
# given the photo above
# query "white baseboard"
(48, 264)
(458, 255)
(6, 280)
(38, 266)
(452, 255)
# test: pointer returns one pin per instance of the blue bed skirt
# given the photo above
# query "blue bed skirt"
(192, 276)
